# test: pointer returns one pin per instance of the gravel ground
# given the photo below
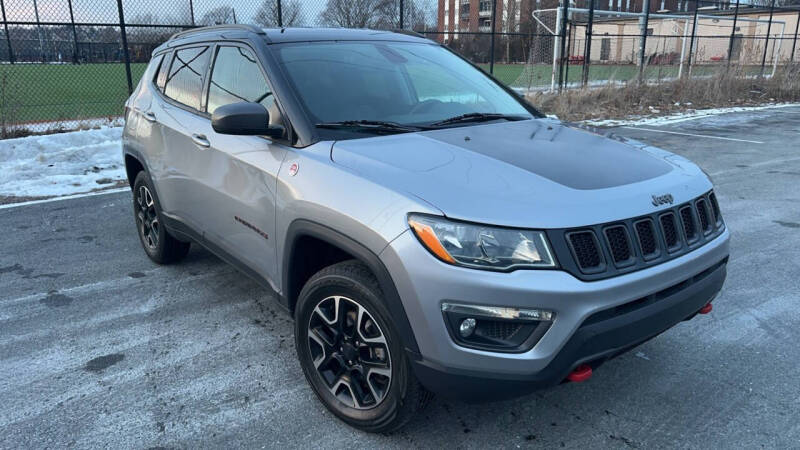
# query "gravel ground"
(101, 348)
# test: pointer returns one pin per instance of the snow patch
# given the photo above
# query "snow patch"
(68, 125)
(682, 117)
(61, 164)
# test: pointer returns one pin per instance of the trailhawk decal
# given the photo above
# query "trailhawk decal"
(251, 226)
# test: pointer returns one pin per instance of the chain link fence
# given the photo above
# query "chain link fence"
(68, 64)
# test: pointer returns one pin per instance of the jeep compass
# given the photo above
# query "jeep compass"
(426, 228)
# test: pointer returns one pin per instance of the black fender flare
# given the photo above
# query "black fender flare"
(302, 227)
(138, 157)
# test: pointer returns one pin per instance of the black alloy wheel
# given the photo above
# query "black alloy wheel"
(349, 352)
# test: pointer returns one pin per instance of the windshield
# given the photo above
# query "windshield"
(400, 83)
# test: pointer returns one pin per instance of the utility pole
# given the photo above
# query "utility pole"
(766, 41)
(733, 33)
(643, 23)
(562, 47)
(491, 50)
(587, 52)
(691, 41)
(794, 41)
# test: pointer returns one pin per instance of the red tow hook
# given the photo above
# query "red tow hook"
(706, 309)
(581, 373)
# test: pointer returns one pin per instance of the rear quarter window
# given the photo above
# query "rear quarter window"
(160, 75)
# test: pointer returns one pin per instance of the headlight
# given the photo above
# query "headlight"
(482, 246)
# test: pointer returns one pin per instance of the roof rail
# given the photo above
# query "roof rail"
(232, 27)
(409, 33)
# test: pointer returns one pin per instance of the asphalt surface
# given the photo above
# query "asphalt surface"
(99, 347)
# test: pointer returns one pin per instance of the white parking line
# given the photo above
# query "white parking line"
(695, 135)
(66, 197)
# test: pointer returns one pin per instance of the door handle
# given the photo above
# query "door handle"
(200, 140)
(149, 116)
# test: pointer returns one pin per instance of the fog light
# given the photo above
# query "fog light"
(467, 327)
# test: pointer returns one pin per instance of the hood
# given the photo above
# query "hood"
(535, 173)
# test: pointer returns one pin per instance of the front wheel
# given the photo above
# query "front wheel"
(350, 352)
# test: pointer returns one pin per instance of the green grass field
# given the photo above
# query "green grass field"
(51, 92)
(45, 92)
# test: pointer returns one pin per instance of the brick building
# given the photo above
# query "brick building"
(476, 15)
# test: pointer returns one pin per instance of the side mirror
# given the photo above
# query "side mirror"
(244, 118)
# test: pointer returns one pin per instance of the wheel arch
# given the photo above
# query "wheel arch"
(134, 163)
(301, 233)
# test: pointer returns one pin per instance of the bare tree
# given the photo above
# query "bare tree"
(419, 15)
(291, 13)
(360, 14)
(219, 15)
(149, 35)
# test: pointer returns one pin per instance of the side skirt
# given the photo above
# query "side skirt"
(185, 233)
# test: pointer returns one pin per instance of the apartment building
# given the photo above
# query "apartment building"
(472, 16)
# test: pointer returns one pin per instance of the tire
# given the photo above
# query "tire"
(393, 395)
(160, 246)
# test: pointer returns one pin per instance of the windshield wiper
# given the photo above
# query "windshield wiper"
(377, 125)
(476, 117)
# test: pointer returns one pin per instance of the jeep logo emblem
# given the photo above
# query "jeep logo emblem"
(659, 200)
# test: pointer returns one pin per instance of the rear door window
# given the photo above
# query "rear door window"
(237, 77)
(184, 83)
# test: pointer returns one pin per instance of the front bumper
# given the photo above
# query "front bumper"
(594, 320)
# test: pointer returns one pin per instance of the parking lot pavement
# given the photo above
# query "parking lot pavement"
(100, 347)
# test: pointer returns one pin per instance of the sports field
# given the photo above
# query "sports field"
(52, 92)
(48, 92)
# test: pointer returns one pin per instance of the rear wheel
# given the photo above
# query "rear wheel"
(159, 245)
(351, 353)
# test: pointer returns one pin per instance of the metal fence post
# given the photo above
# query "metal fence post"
(766, 41)
(794, 41)
(562, 49)
(125, 52)
(74, 33)
(8, 36)
(733, 34)
(568, 51)
(401, 14)
(491, 39)
(691, 40)
(587, 52)
(643, 40)
(280, 13)
(191, 11)
(39, 29)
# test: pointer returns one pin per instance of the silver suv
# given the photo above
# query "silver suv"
(427, 229)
